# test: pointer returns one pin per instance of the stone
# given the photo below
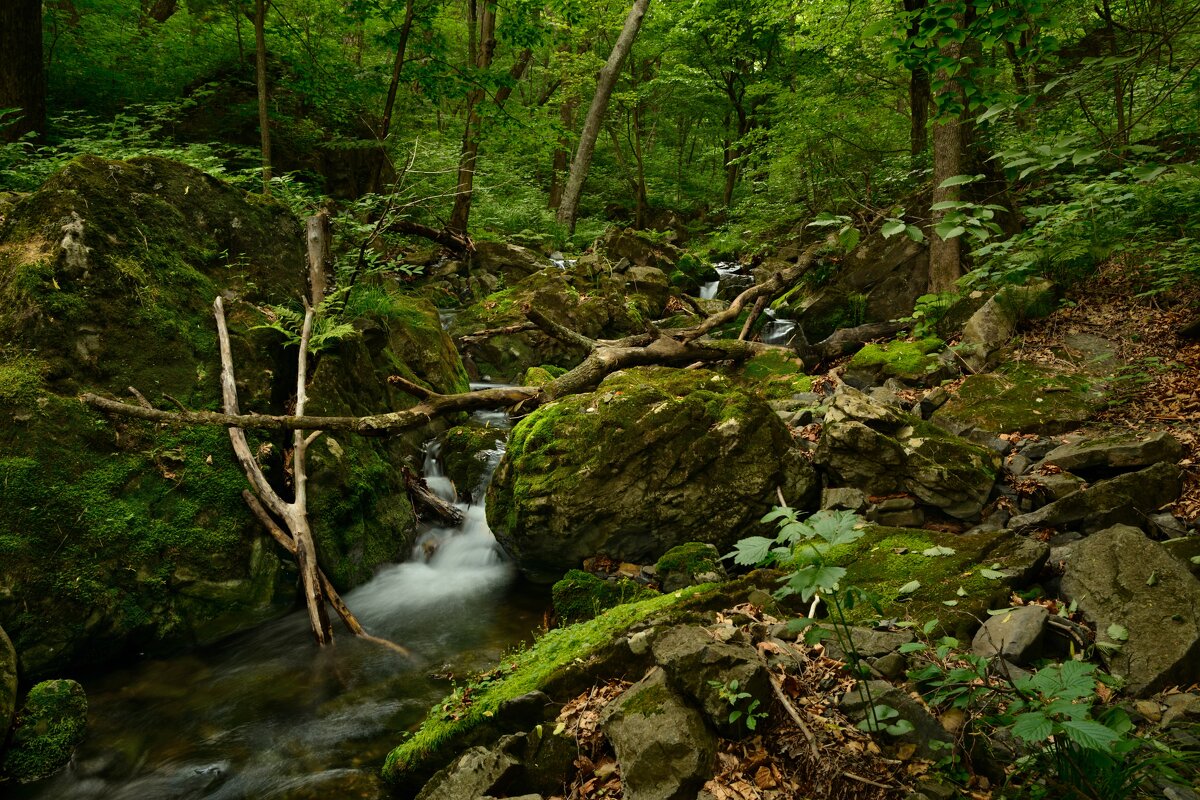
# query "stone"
(662, 744)
(1059, 484)
(926, 733)
(653, 284)
(1017, 465)
(991, 327)
(699, 667)
(1021, 397)
(51, 723)
(881, 451)
(640, 250)
(8, 685)
(912, 518)
(472, 775)
(1122, 451)
(1015, 635)
(870, 644)
(1120, 576)
(1186, 550)
(848, 499)
(537, 762)
(652, 459)
(504, 258)
(1166, 526)
(580, 596)
(689, 564)
(932, 401)
(1125, 499)
(903, 362)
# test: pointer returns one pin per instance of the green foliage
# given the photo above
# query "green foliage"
(928, 311)
(580, 596)
(731, 694)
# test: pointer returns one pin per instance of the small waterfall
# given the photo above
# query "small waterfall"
(779, 330)
(435, 477)
(709, 290)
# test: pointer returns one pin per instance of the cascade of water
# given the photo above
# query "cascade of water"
(709, 290)
(779, 330)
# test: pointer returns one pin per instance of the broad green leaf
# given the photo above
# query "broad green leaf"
(1118, 633)
(938, 551)
(949, 230)
(991, 574)
(1089, 733)
(915, 233)
(892, 227)
(752, 551)
(909, 588)
(958, 180)
(1033, 727)
(961, 592)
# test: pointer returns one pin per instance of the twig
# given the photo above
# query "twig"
(795, 715)
(867, 781)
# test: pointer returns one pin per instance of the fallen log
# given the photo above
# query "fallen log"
(420, 493)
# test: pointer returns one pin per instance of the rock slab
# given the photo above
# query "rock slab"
(1120, 576)
(1014, 636)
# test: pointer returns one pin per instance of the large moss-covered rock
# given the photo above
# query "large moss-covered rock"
(468, 453)
(585, 299)
(655, 457)
(872, 447)
(1021, 397)
(581, 595)
(117, 536)
(51, 723)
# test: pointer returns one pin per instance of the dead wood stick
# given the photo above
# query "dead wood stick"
(795, 715)
(331, 594)
(867, 781)
(421, 494)
(558, 331)
(507, 330)
(753, 316)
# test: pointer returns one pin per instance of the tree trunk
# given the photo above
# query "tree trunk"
(482, 59)
(260, 47)
(945, 255)
(393, 87)
(22, 74)
(157, 11)
(562, 154)
(568, 209)
(919, 92)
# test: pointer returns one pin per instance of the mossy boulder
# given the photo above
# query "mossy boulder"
(913, 362)
(959, 577)
(774, 375)
(540, 376)
(869, 446)
(580, 595)
(583, 298)
(1022, 397)
(121, 537)
(467, 456)
(655, 457)
(689, 564)
(49, 726)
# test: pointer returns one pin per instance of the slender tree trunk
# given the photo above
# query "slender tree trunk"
(393, 87)
(919, 92)
(568, 209)
(945, 255)
(22, 74)
(260, 47)
(562, 154)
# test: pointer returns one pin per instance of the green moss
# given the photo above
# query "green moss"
(886, 559)
(774, 375)
(48, 728)
(527, 671)
(21, 381)
(540, 376)
(692, 558)
(581, 596)
(899, 359)
(1022, 397)
(464, 454)
(648, 701)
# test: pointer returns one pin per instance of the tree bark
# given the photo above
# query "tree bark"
(22, 74)
(389, 105)
(919, 91)
(568, 209)
(945, 255)
(260, 48)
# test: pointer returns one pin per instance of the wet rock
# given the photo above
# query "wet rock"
(1116, 452)
(848, 499)
(50, 724)
(581, 596)
(8, 685)
(663, 746)
(1120, 576)
(652, 459)
(641, 251)
(688, 565)
(699, 667)
(466, 453)
(472, 775)
(880, 451)
(651, 283)
(1015, 635)
(536, 763)
(1125, 499)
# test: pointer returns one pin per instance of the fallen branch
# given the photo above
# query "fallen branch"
(422, 495)
(460, 243)
(507, 330)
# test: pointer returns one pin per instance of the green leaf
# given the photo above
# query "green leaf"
(909, 588)
(1033, 727)
(912, 647)
(752, 551)
(950, 603)
(1089, 734)
(1118, 633)
(938, 551)
(958, 180)
(991, 113)
(915, 233)
(992, 574)
(892, 227)
(961, 592)
(948, 230)
(848, 238)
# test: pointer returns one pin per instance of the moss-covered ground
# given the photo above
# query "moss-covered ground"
(581, 596)
(1024, 397)
(903, 359)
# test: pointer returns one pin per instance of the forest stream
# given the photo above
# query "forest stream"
(259, 717)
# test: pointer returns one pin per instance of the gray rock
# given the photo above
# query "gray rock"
(1120, 576)
(913, 518)
(1167, 526)
(8, 685)
(932, 401)
(848, 499)
(699, 667)
(994, 324)
(1059, 484)
(881, 451)
(869, 643)
(538, 762)
(472, 775)
(663, 746)
(652, 283)
(1117, 452)
(1017, 464)
(926, 730)
(1184, 549)
(1015, 635)
(1126, 499)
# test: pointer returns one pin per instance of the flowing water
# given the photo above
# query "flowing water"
(268, 715)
